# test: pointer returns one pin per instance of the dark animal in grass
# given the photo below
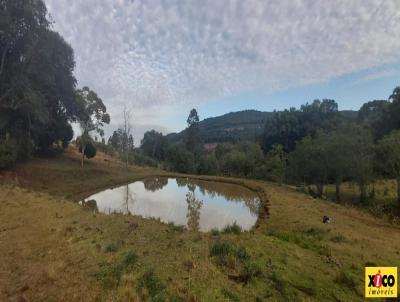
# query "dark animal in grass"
(326, 219)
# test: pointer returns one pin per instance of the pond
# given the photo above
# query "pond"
(197, 204)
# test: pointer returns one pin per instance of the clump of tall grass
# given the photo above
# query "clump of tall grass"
(151, 285)
(221, 248)
(111, 248)
(109, 274)
(214, 232)
(232, 229)
(230, 295)
(237, 259)
(344, 278)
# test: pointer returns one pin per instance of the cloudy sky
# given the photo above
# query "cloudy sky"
(161, 58)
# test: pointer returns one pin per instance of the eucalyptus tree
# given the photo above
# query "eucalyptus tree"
(192, 139)
(92, 116)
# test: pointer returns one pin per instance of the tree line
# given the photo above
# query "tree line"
(312, 146)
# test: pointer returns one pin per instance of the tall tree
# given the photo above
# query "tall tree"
(92, 115)
(290, 126)
(154, 144)
(36, 82)
(127, 127)
(192, 140)
(361, 156)
(375, 115)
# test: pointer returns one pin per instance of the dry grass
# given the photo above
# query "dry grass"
(53, 250)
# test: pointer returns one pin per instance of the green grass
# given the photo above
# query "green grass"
(304, 240)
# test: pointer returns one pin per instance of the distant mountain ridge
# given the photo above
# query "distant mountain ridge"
(246, 125)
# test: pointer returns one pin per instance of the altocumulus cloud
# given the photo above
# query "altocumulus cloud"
(159, 56)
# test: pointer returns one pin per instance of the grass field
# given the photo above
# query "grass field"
(53, 250)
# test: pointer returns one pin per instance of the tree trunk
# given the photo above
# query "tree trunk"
(83, 155)
(337, 191)
(320, 189)
(3, 59)
(127, 158)
(363, 193)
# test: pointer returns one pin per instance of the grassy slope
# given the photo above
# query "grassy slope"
(54, 250)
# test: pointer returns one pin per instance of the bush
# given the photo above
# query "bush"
(109, 274)
(90, 150)
(214, 232)
(130, 259)
(251, 269)
(234, 229)
(221, 249)
(153, 284)
(140, 159)
(242, 254)
(8, 153)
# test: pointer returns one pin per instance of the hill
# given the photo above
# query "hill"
(246, 125)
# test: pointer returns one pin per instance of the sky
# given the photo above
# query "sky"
(161, 58)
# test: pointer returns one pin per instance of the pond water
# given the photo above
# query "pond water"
(196, 204)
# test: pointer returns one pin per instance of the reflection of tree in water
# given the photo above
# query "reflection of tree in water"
(194, 206)
(230, 192)
(128, 198)
(155, 183)
(90, 205)
(182, 182)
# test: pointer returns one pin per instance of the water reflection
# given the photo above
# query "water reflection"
(128, 199)
(155, 183)
(199, 205)
(193, 209)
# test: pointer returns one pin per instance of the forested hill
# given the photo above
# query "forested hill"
(246, 125)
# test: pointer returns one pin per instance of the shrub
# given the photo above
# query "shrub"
(234, 229)
(242, 254)
(154, 285)
(221, 248)
(130, 259)
(140, 159)
(230, 295)
(214, 232)
(251, 269)
(109, 274)
(90, 149)
(111, 248)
